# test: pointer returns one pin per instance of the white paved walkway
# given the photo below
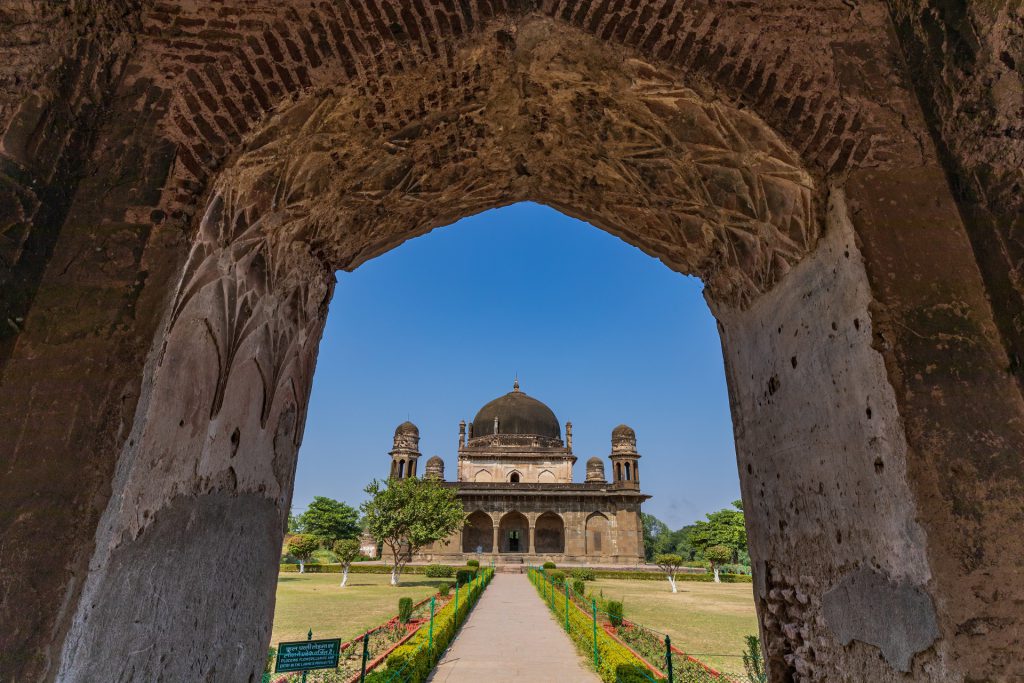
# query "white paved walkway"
(511, 636)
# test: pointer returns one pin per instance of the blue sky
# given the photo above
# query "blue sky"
(595, 328)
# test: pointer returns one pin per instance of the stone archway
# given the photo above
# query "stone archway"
(549, 534)
(877, 429)
(478, 533)
(513, 533)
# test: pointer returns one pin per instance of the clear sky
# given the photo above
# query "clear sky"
(595, 328)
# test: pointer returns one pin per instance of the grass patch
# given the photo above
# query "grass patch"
(706, 620)
(317, 601)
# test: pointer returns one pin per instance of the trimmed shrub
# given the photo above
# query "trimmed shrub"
(473, 563)
(404, 610)
(464, 576)
(443, 589)
(271, 654)
(612, 655)
(615, 611)
(439, 571)
(413, 661)
(578, 587)
(557, 577)
(583, 574)
(632, 673)
(550, 565)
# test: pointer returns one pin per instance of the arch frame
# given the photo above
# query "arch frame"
(893, 254)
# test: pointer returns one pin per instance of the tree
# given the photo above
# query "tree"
(347, 551)
(718, 555)
(408, 514)
(293, 523)
(657, 536)
(302, 546)
(329, 520)
(670, 564)
(725, 527)
(682, 543)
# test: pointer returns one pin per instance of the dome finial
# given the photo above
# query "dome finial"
(515, 384)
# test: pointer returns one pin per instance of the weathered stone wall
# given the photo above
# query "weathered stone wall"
(966, 61)
(58, 64)
(623, 543)
(705, 133)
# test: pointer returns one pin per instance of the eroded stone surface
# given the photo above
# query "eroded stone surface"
(166, 606)
(897, 618)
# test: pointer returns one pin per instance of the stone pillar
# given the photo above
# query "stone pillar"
(204, 479)
(865, 493)
(497, 547)
(533, 541)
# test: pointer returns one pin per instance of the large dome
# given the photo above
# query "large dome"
(517, 413)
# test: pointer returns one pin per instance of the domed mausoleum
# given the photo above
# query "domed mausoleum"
(515, 480)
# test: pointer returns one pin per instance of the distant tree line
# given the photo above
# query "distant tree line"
(701, 541)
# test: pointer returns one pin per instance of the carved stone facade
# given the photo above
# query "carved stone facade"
(515, 482)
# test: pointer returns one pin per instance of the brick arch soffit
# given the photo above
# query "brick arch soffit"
(705, 186)
(332, 174)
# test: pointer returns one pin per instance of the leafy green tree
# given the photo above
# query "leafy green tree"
(657, 536)
(725, 528)
(302, 546)
(329, 520)
(670, 564)
(408, 514)
(681, 543)
(718, 555)
(347, 551)
(293, 523)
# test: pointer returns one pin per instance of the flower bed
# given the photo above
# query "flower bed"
(384, 639)
(651, 647)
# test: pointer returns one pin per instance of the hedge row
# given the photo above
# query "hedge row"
(314, 568)
(413, 661)
(659, 576)
(616, 663)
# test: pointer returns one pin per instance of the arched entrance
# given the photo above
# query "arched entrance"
(598, 536)
(513, 533)
(478, 533)
(549, 533)
(190, 279)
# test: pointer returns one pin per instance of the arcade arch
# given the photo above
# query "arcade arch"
(478, 533)
(513, 533)
(549, 534)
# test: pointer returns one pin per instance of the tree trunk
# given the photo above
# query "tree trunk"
(344, 576)
(394, 576)
(302, 566)
(715, 569)
(672, 582)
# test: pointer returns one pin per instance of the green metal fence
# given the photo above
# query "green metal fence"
(621, 651)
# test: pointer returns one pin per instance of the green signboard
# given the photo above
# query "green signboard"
(305, 655)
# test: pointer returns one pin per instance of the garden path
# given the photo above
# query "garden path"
(511, 636)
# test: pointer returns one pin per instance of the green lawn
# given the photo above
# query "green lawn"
(317, 601)
(706, 620)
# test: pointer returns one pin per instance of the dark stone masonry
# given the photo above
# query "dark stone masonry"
(179, 181)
